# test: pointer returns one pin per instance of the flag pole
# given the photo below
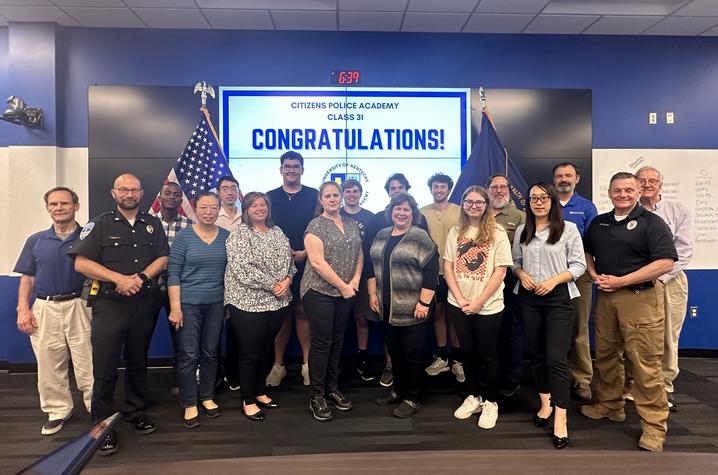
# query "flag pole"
(485, 109)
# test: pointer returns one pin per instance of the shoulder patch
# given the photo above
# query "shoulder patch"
(87, 230)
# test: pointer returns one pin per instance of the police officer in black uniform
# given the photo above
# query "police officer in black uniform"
(124, 250)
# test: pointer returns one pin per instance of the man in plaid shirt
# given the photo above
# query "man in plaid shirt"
(172, 222)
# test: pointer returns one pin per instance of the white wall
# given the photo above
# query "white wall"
(26, 173)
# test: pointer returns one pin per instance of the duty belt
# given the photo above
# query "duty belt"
(58, 298)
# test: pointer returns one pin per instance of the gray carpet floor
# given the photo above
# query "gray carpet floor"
(291, 430)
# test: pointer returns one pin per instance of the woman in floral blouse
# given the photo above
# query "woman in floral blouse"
(256, 291)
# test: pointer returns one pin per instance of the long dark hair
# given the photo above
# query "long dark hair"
(555, 216)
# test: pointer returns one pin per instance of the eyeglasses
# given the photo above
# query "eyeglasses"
(291, 167)
(539, 199)
(125, 191)
(651, 181)
(498, 187)
(228, 188)
(477, 203)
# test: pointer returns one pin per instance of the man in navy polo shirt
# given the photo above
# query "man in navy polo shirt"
(58, 322)
(580, 212)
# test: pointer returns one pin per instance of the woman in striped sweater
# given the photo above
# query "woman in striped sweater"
(196, 290)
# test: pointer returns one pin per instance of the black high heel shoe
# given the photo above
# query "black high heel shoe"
(559, 442)
(268, 405)
(542, 421)
(257, 416)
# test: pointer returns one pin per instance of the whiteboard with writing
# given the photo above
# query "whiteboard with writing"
(689, 176)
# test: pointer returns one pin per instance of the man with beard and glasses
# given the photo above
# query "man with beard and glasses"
(441, 216)
(580, 212)
(511, 347)
(123, 251)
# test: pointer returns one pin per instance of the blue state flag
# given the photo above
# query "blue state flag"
(488, 158)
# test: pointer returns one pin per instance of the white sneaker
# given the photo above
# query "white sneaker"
(438, 366)
(489, 414)
(458, 369)
(471, 405)
(275, 377)
(305, 374)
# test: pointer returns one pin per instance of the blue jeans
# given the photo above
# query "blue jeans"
(198, 346)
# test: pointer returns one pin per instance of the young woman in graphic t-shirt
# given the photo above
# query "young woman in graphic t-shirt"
(475, 260)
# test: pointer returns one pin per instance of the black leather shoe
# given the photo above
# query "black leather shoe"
(192, 423)
(542, 421)
(560, 442)
(268, 405)
(211, 413)
(109, 445)
(257, 416)
(144, 426)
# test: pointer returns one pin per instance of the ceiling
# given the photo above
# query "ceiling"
(592, 17)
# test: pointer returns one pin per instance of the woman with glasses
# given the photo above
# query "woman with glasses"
(256, 292)
(401, 286)
(548, 258)
(475, 260)
(329, 284)
(195, 284)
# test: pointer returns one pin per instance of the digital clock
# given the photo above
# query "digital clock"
(346, 77)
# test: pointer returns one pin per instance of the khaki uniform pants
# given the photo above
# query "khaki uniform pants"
(632, 324)
(63, 333)
(580, 365)
(675, 297)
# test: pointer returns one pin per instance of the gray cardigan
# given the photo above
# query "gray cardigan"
(407, 260)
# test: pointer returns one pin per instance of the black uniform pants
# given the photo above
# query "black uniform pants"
(548, 321)
(121, 327)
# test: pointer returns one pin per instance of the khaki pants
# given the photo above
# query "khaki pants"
(63, 333)
(631, 323)
(675, 297)
(580, 365)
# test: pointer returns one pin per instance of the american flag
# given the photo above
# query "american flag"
(198, 167)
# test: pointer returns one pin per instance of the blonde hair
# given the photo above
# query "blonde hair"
(487, 224)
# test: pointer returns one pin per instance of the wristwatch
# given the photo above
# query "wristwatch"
(144, 277)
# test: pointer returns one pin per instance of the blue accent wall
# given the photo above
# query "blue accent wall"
(629, 77)
(5, 128)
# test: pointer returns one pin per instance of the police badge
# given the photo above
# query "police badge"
(150, 229)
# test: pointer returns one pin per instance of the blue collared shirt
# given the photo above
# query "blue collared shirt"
(580, 212)
(45, 258)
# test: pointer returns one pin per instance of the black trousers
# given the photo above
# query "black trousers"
(121, 327)
(512, 338)
(164, 302)
(328, 317)
(548, 321)
(406, 348)
(255, 332)
(479, 339)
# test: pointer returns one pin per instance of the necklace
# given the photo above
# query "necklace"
(290, 195)
(439, 214)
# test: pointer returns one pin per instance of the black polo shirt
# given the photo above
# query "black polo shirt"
(110, 240)
(622, 247)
